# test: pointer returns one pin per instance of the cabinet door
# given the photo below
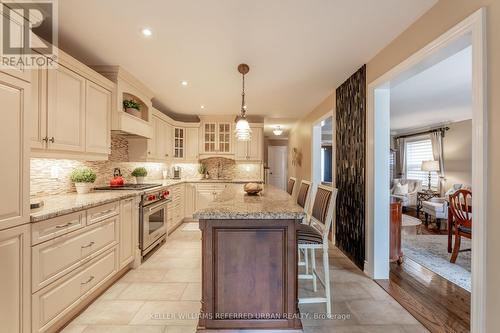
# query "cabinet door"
(153, 142)
(179, 143)
(160, 142)
(191, 144)
(224, 138)
(98, 117)
(127, 227)
(14, 135)
(190, 201)
(15, 280)
(255, 146)
(66, 110)
(39, 109)
(240, 150)
(209, 137)
(203, 198)
(167, 140)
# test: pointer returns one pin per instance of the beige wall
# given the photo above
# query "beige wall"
(300, 138)
(440, 18)
(457, 152)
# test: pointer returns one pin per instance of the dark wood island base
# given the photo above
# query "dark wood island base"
(249, 275)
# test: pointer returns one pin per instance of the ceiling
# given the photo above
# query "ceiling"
(298, 51)
(438, 95)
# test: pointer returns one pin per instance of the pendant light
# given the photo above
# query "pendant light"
(242, 130)
(277, 131)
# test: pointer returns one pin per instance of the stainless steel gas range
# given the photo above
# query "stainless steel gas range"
(152, 214)
(153, 219)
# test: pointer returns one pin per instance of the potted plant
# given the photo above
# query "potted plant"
(83, 179)
(132, 107)
(139, 174)
(203, 170)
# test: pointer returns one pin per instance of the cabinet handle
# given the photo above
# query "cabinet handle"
(60, 226)
(90, 279)
(52, 139)
(88, 245)
(46, 139)
(149, 153)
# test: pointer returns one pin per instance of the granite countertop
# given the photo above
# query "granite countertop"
(234, 203)
(62, 204)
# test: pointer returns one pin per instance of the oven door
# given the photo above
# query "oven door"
(154, 223)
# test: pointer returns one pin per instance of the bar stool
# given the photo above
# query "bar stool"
(290, 185)
(314, 236)
(303, 196)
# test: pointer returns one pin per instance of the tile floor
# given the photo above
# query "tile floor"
(169, 283)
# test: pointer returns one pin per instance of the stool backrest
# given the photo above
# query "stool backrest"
(304, 194)
(290, 185)
(323, 208)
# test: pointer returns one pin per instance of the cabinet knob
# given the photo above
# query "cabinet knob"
(149, 153)
(46, 139)
(52, 139)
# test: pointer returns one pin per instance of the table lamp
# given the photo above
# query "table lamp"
(430, 166)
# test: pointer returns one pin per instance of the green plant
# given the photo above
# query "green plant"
(83, 175)
(131, 104)
(140, 172)
(202, 169)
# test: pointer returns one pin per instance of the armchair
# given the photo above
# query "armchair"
(407, 199)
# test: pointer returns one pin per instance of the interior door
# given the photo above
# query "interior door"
(277, 160)
(66, 110)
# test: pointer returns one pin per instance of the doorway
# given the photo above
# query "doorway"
(277, 163)
(322, 151)
(378, 169)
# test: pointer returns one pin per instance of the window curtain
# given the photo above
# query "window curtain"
(437, 152)
(400, 158)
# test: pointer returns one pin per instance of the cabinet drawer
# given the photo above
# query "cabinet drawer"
(49, 229)
(57, 299)
(103, 212)
(53, 259)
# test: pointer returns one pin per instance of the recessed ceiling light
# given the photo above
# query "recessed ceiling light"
(184, 83)
(202, 107)
(147, 32)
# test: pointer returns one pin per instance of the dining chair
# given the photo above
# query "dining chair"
(290, 185)
(314, 236)
(461, 213)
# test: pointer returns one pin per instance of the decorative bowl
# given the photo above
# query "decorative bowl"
(252, 188)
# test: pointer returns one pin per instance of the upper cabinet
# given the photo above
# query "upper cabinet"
(217, 138)
(15, 95)
(128, 88)
(251, 150)
(179, 143)
(71, 111)
(192, 146)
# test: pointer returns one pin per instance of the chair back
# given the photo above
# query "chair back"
(290, 185)
(461, 207)
(323, 208)
(304, 194)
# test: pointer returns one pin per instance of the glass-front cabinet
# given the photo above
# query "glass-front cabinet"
(217, 137)
(179, 142)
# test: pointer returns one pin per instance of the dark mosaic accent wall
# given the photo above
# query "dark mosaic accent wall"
(350, 173)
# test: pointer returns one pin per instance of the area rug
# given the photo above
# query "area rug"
(191, 226)
(431, 251)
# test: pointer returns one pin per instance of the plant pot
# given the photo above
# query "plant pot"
(139, 180)
(83, 188)
(134, 112)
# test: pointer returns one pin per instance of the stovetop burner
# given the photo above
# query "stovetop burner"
(127, 187)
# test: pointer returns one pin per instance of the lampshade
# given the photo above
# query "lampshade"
(430, 166)
(242, 129)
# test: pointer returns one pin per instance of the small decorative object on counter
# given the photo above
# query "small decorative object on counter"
(139, 173)
(117, 178)
(252, 188)
(203, 170)
(83, 179)
(132, 107)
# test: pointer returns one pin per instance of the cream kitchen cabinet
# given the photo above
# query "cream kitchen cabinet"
(217, 138)
(179, 143)
(206, 193)
(15, 95)
(71, 112)
(15, 280)
(129, 227)
(190, 201)
(250, 150)
(191, 144)
(157, 149)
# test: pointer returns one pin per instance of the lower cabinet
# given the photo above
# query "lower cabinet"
(128, 231)
(206, 193)
(15, 280)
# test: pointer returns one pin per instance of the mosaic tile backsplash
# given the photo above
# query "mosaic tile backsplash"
(51, 176)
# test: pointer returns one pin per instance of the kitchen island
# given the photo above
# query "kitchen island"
(249, 261)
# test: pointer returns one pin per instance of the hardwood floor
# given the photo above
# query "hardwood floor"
(429, 229)
(438, 304)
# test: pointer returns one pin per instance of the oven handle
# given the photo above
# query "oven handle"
(151, 208)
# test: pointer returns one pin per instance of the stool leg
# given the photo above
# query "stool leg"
(306, 259)
(313, 264)
(326, 267)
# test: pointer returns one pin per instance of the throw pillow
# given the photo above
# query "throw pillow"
(401, 189)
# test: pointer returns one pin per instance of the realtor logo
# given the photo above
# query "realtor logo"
(28, 34)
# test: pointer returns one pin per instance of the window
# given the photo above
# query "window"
(417, 151)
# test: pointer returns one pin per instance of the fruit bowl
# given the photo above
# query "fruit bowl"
(252, 188)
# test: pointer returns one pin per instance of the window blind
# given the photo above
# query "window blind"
(416, 152)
